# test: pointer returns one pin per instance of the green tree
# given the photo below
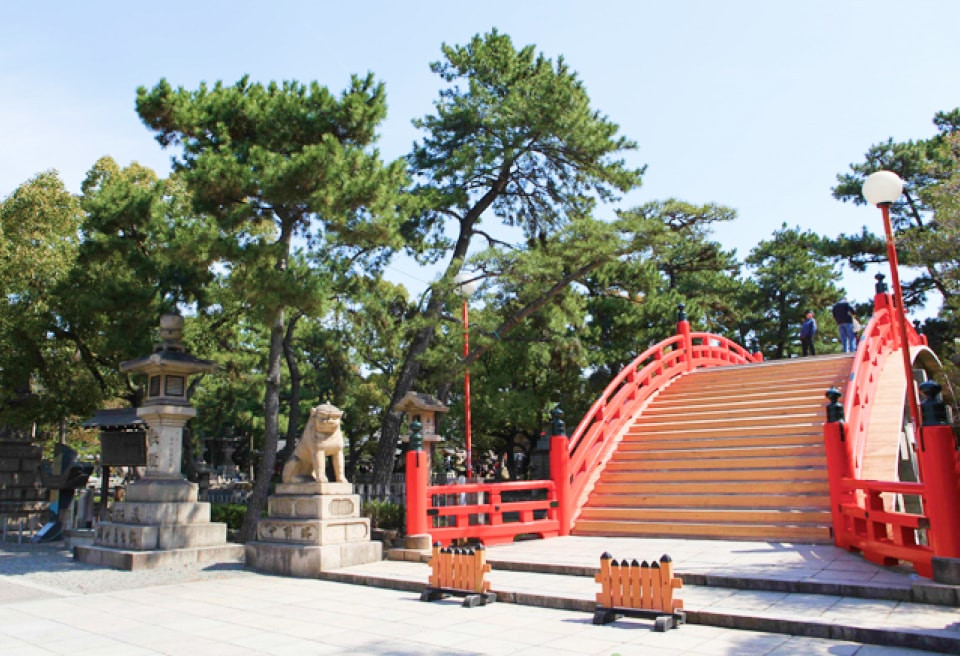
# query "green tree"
(274, 163)
(922, 164)
(632, 301)
(39, 237)
(789, 278)
(514, 135)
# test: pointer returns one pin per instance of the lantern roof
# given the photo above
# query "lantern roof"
(420, 402)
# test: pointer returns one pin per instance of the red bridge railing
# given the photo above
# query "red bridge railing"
(878, 341)
(861, 520)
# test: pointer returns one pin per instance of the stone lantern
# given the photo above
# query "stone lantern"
(166, 408)
(426, 408)
(161, 521)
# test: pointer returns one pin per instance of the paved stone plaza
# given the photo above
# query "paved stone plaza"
(50, 604)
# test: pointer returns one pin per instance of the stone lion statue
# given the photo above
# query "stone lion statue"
(321, 438)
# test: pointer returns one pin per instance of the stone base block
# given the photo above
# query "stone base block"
(162, 491)
(410, 555)
(307, 561)
(74, 537)
(314, 531)
(126, 536)
(331, 506)
(312, 488)
(137, 512)
(420, 541)
(192, 535)
(131, 560)
(136, 537)
(946, 570)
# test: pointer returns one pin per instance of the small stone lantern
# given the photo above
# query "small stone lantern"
(426, 408)
(166, 408)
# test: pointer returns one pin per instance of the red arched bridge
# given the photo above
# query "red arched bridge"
(699, 438)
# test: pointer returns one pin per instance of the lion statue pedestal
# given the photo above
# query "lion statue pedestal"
(313, 525)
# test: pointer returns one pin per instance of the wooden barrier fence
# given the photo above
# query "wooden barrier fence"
(638, 590)
(461, 572)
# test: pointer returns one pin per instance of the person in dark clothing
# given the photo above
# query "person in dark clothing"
(844, 316)
(808, 330)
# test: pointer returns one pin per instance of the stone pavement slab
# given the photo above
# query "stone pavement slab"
(250, 613)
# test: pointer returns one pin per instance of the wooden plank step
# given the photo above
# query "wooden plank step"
(651, 442)
(736, 391)
(732, 409)
(736, 464)
(722, 376)
(728, 378)
(778, 367)
(806, 428)
(713, 487)
(712, 374)
(630, 470)
(808, 534)
(708, 515)
(710, 499)
(706, 420)
(716, 453)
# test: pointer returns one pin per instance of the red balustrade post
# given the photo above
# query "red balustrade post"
(941, 475)
(417, 476)
(839, 465)
(560, 470)
(683, 329)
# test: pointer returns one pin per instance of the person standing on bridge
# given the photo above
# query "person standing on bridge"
(808, 330)
(843, 314)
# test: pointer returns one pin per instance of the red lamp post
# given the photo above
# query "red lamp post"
(465, 287)
(882, 189)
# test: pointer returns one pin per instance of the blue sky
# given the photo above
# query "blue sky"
(756, 105)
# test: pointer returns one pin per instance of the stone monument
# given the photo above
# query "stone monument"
(161, 521)
(313, 524)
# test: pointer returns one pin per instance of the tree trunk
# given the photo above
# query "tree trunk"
(390, 426)
(271, 401)
(271, 415)
(295, 382)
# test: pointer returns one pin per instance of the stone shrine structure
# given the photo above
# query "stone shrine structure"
(22, 499)
(313, 525)
(161, 521)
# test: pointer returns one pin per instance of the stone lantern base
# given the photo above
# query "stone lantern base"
(311, 528)
(159, 523)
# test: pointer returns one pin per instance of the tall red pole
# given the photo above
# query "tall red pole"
(901, 318)
(466, 387)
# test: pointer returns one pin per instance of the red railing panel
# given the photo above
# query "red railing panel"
(450, 509)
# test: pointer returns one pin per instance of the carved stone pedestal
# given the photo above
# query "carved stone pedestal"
(310, 528)
(160, 523)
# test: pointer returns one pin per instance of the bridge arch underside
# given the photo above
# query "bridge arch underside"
(888, 450)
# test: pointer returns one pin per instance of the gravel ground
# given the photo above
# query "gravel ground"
(51, 568)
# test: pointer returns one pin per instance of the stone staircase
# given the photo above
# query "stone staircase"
(726, 453)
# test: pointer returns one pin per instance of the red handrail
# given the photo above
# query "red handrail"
(878, 341)
(594, 439)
